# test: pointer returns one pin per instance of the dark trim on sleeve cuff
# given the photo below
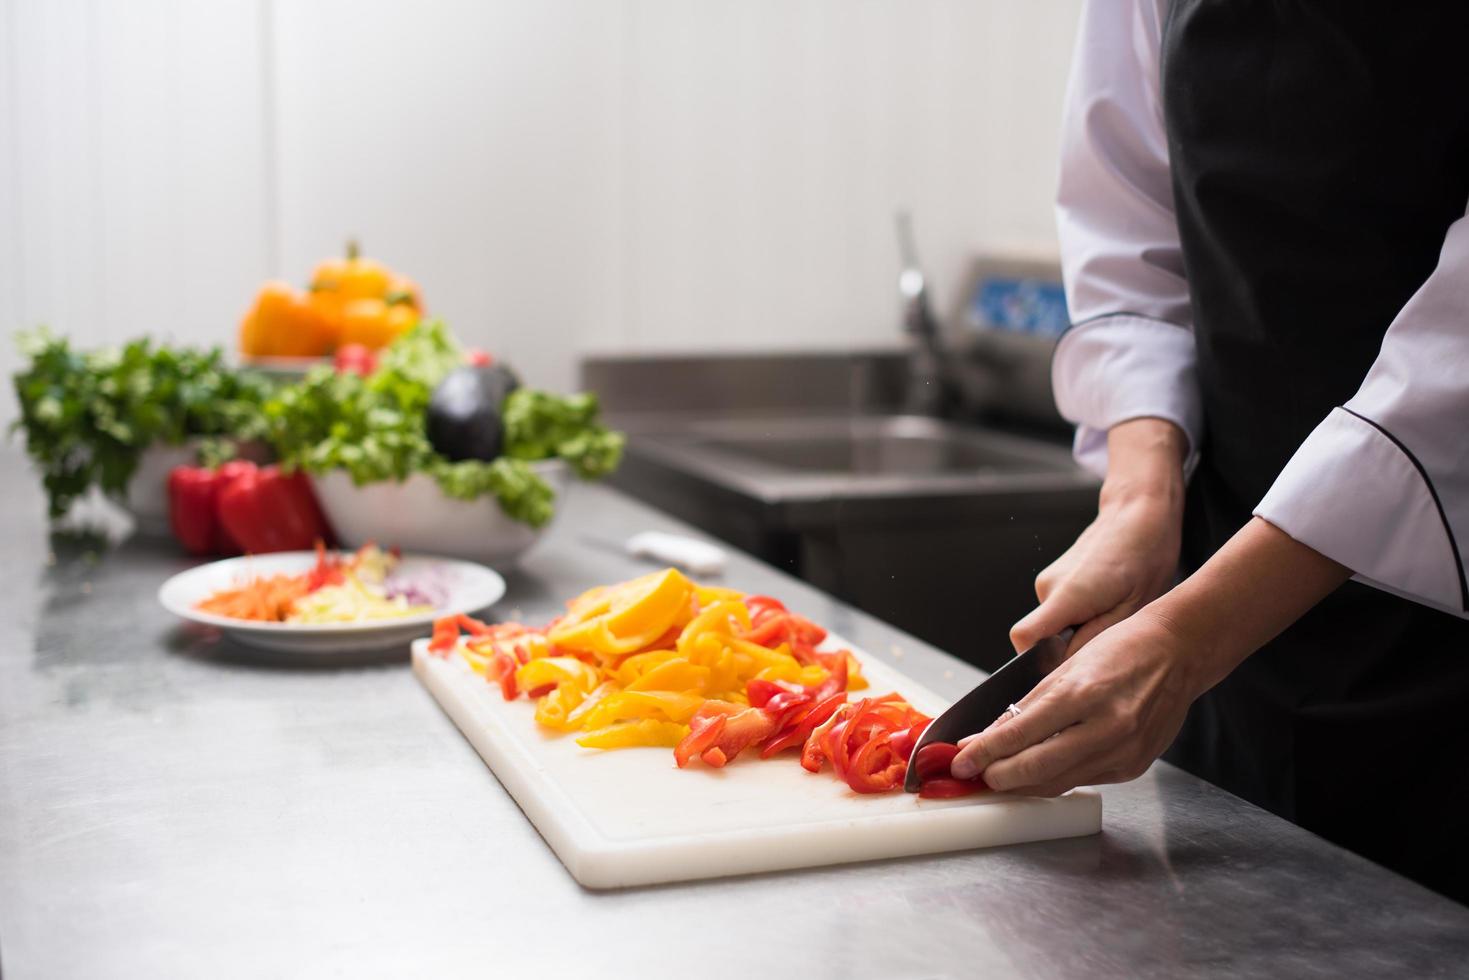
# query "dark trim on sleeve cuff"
(1442, 516)
(1121, 313)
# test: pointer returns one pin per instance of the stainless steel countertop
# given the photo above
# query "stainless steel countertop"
(172, 807)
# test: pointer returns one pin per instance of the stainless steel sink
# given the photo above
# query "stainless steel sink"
(788, 460)
(901, 445)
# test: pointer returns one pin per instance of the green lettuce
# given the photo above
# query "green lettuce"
(375, 428)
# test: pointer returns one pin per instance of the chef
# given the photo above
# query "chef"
(1266, 252)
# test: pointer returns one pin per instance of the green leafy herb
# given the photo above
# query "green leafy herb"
(88, 416)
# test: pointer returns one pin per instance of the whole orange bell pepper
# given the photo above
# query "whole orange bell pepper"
(354, 277)
(375, 323)
(284, 323)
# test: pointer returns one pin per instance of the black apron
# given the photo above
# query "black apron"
(1320, 151)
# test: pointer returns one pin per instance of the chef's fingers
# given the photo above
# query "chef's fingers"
(1062, 609)
(1041, 716)
(1047, 765)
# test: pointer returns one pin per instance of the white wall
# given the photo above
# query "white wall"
(560, 175)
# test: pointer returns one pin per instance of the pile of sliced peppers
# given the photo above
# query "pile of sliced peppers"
(709, 672)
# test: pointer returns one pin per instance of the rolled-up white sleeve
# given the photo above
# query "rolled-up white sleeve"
(1130, 352)
(1382, 484)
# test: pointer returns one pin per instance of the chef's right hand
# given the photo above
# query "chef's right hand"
(1128, 556)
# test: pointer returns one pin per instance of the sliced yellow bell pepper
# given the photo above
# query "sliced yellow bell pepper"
(626, 618)
(710, 594)
(672, 675)
(561, 671)
(629, 734)
(629, 705)
(555, 710)
(640, 663)
(720, 619)
(477, 661)
(578, 714)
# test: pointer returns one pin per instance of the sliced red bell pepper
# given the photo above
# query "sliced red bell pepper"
(875, 767)
(904, 739)
(771, 628)
(702, 733)
(269, 511)
(933, 762)
(760, 691)
(762, 606)
(738, 733)
(798, 730)
(502, 668)
(446, 635)
(836, 677)
(784, 707)
(813, 753)
(946, 788)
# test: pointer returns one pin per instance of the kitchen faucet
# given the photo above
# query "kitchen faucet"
(927, 382)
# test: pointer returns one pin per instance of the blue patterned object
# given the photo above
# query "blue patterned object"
(1032, 306)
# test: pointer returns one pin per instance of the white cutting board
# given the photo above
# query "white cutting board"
(631, 817)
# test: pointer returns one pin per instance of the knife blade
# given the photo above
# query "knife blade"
(975, 711)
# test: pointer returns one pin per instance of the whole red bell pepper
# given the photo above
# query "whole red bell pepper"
(193, 506)
(268, 510)
(227, 473)
(192, 493)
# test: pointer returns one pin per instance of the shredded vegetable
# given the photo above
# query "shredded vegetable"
(335, 590)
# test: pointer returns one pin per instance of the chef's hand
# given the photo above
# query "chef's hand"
(1106, 713)
(1128, 556)
(1113, 708)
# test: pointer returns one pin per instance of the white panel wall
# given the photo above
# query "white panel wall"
(560, 175)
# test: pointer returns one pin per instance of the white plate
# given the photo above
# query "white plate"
(471, 587)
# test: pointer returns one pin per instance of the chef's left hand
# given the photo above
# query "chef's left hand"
(1112, 708)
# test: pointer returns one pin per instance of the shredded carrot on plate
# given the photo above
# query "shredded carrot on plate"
(269, 599)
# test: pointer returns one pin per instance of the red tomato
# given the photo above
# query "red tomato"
(356, 358)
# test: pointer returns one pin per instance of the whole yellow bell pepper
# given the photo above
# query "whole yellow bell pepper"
(365, 301)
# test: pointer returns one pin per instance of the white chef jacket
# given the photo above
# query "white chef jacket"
(1382, 484)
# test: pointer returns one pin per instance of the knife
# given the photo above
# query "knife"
(975, 711)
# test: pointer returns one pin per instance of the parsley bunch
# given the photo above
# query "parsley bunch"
(88, 416)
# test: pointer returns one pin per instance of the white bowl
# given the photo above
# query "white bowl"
(415, 515)
(147, 496)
